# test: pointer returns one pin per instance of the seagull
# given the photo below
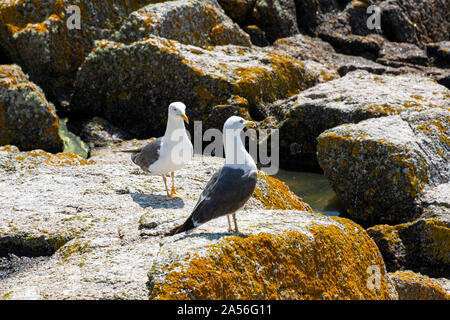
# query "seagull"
(230, 187)
(170, 152)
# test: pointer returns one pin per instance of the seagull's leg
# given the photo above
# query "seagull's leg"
(235, 223)
(229, 224)
(167, 189)
(174, 193)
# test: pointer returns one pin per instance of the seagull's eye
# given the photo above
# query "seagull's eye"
(242, 121)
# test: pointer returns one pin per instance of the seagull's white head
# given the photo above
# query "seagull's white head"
(237, 123)
(178, 109)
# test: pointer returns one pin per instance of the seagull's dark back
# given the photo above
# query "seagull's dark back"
(227, 191)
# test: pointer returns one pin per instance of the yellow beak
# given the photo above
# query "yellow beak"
(185, 118)
(250, 124)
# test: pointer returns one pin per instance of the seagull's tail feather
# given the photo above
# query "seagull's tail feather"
(133, 157)
(188, 225)
(129, 151)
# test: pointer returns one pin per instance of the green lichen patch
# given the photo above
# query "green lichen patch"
(31, 245)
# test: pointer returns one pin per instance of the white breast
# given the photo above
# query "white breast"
(173, 156)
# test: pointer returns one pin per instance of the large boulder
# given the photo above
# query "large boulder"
(77, 229)
(280, 255)
(200, 23)
(423, 244)
(380, 167)
(357, 96)
(37, 37)
(27, 119)
(144, 77)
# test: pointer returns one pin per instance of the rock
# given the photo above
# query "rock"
(358, 17)
(257, 36)
(357, 96)
(146, 76)
(274, 194)
(27, 119)
(411, 21)
(199, 23)
(277, 18)
(238, 10)
(36, 36)
(306, 48)
(13, 160)
(316, 257)
(442, 76)
(98, 132)
(219, 114)
(4, 57)
(397, 54)
(413, 286)
(393, 59)
(415, 21)
(368, 47)
(264, 20)
(395, 23)
(90, 218)
(440, 51)
(420, 245)
(311, 13)
(380, 167)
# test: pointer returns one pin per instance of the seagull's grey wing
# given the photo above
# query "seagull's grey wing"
(226, 192)
(148, 155)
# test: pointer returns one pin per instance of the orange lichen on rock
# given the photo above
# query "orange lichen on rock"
(23, 105)
(35, 158)
(330, 264)
(274, 194)
(63, 158)
(414, 286)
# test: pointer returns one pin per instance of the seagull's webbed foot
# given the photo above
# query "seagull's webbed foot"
(174, 194)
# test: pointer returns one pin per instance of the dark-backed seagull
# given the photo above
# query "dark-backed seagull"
(230, 187)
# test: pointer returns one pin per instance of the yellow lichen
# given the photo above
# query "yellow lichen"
(274, 194)
(289, 265)
(439, 235)
(413, 286)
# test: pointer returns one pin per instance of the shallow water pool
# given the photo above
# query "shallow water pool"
(314, 189)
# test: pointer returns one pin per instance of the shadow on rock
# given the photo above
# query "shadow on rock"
(156, 201)
(212, 236)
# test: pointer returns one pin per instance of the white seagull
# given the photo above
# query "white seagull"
(170, 152)
(230, 187)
